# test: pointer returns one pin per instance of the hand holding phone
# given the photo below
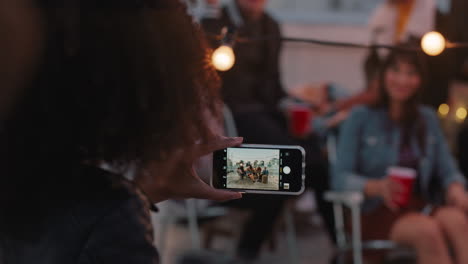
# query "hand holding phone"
(268, 169)
(175, 178)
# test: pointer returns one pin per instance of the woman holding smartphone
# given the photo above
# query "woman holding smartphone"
(89, 91)
(399, 131)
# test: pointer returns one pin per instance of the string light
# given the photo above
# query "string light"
(444, 109)
(223, 58)
(461, 113)
(433, 43)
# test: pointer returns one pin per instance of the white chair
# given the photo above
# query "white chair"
(353, 201)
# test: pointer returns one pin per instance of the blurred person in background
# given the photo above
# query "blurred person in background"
(331, 103)
(86, 85)
(399, 21)
(252, 89)
(399, 131)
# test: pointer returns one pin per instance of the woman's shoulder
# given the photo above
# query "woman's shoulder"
(102, 194)
(362, 111)
(118, 222)
(427, 110)
(428, 114)
(362, 117)
(100, 216)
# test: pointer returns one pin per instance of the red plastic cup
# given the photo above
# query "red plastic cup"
(405, 177)
(300, 118)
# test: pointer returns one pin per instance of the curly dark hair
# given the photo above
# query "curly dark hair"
(120, 81)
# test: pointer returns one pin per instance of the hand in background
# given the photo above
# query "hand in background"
(385, 189)
(175, 178)
(315, 94)
(337, 119)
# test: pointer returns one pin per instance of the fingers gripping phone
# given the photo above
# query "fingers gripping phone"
(267, 169)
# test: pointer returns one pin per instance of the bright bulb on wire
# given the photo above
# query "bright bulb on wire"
(461, 113)
(444, 109)
(433, 43)
(223, 58)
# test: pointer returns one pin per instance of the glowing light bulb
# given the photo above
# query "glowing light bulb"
(444, 109)
(433, 43)
(223, 58)
(461, 113)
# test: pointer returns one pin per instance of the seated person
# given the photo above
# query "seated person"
(258, 172)
(399, 131)
(241, 171)
(251, 172)
(265, 174)
(331, 103)
(252, 89)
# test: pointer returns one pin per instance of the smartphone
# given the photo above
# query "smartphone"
(267, 169)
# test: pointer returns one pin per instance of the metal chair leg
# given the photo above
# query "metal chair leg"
(339, 225)
(291, 237)
(356, 235)
(193, 223)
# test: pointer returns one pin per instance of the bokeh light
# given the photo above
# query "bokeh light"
(461, 113)
(223, 58)
(444, 109)
(433, 43)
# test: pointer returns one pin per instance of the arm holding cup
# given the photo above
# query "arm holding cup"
(386, 189)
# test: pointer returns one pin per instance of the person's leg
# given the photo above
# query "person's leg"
(317, 179)
(455, 226)
(275, 130)
(265, 208)
(425, 235)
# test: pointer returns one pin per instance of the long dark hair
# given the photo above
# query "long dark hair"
(120, 81)
(411, 121)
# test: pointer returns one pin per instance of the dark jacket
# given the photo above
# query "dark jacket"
(108, 222)
(254, 81)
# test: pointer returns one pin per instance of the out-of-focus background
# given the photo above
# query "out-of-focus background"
(218, 229)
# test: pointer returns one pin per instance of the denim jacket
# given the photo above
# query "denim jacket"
(368, 146)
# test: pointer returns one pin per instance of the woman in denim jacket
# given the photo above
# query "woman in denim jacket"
(398, 131)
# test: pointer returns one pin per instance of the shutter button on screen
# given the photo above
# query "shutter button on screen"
(286, 170)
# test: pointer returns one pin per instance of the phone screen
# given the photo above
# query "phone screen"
(259, 169)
